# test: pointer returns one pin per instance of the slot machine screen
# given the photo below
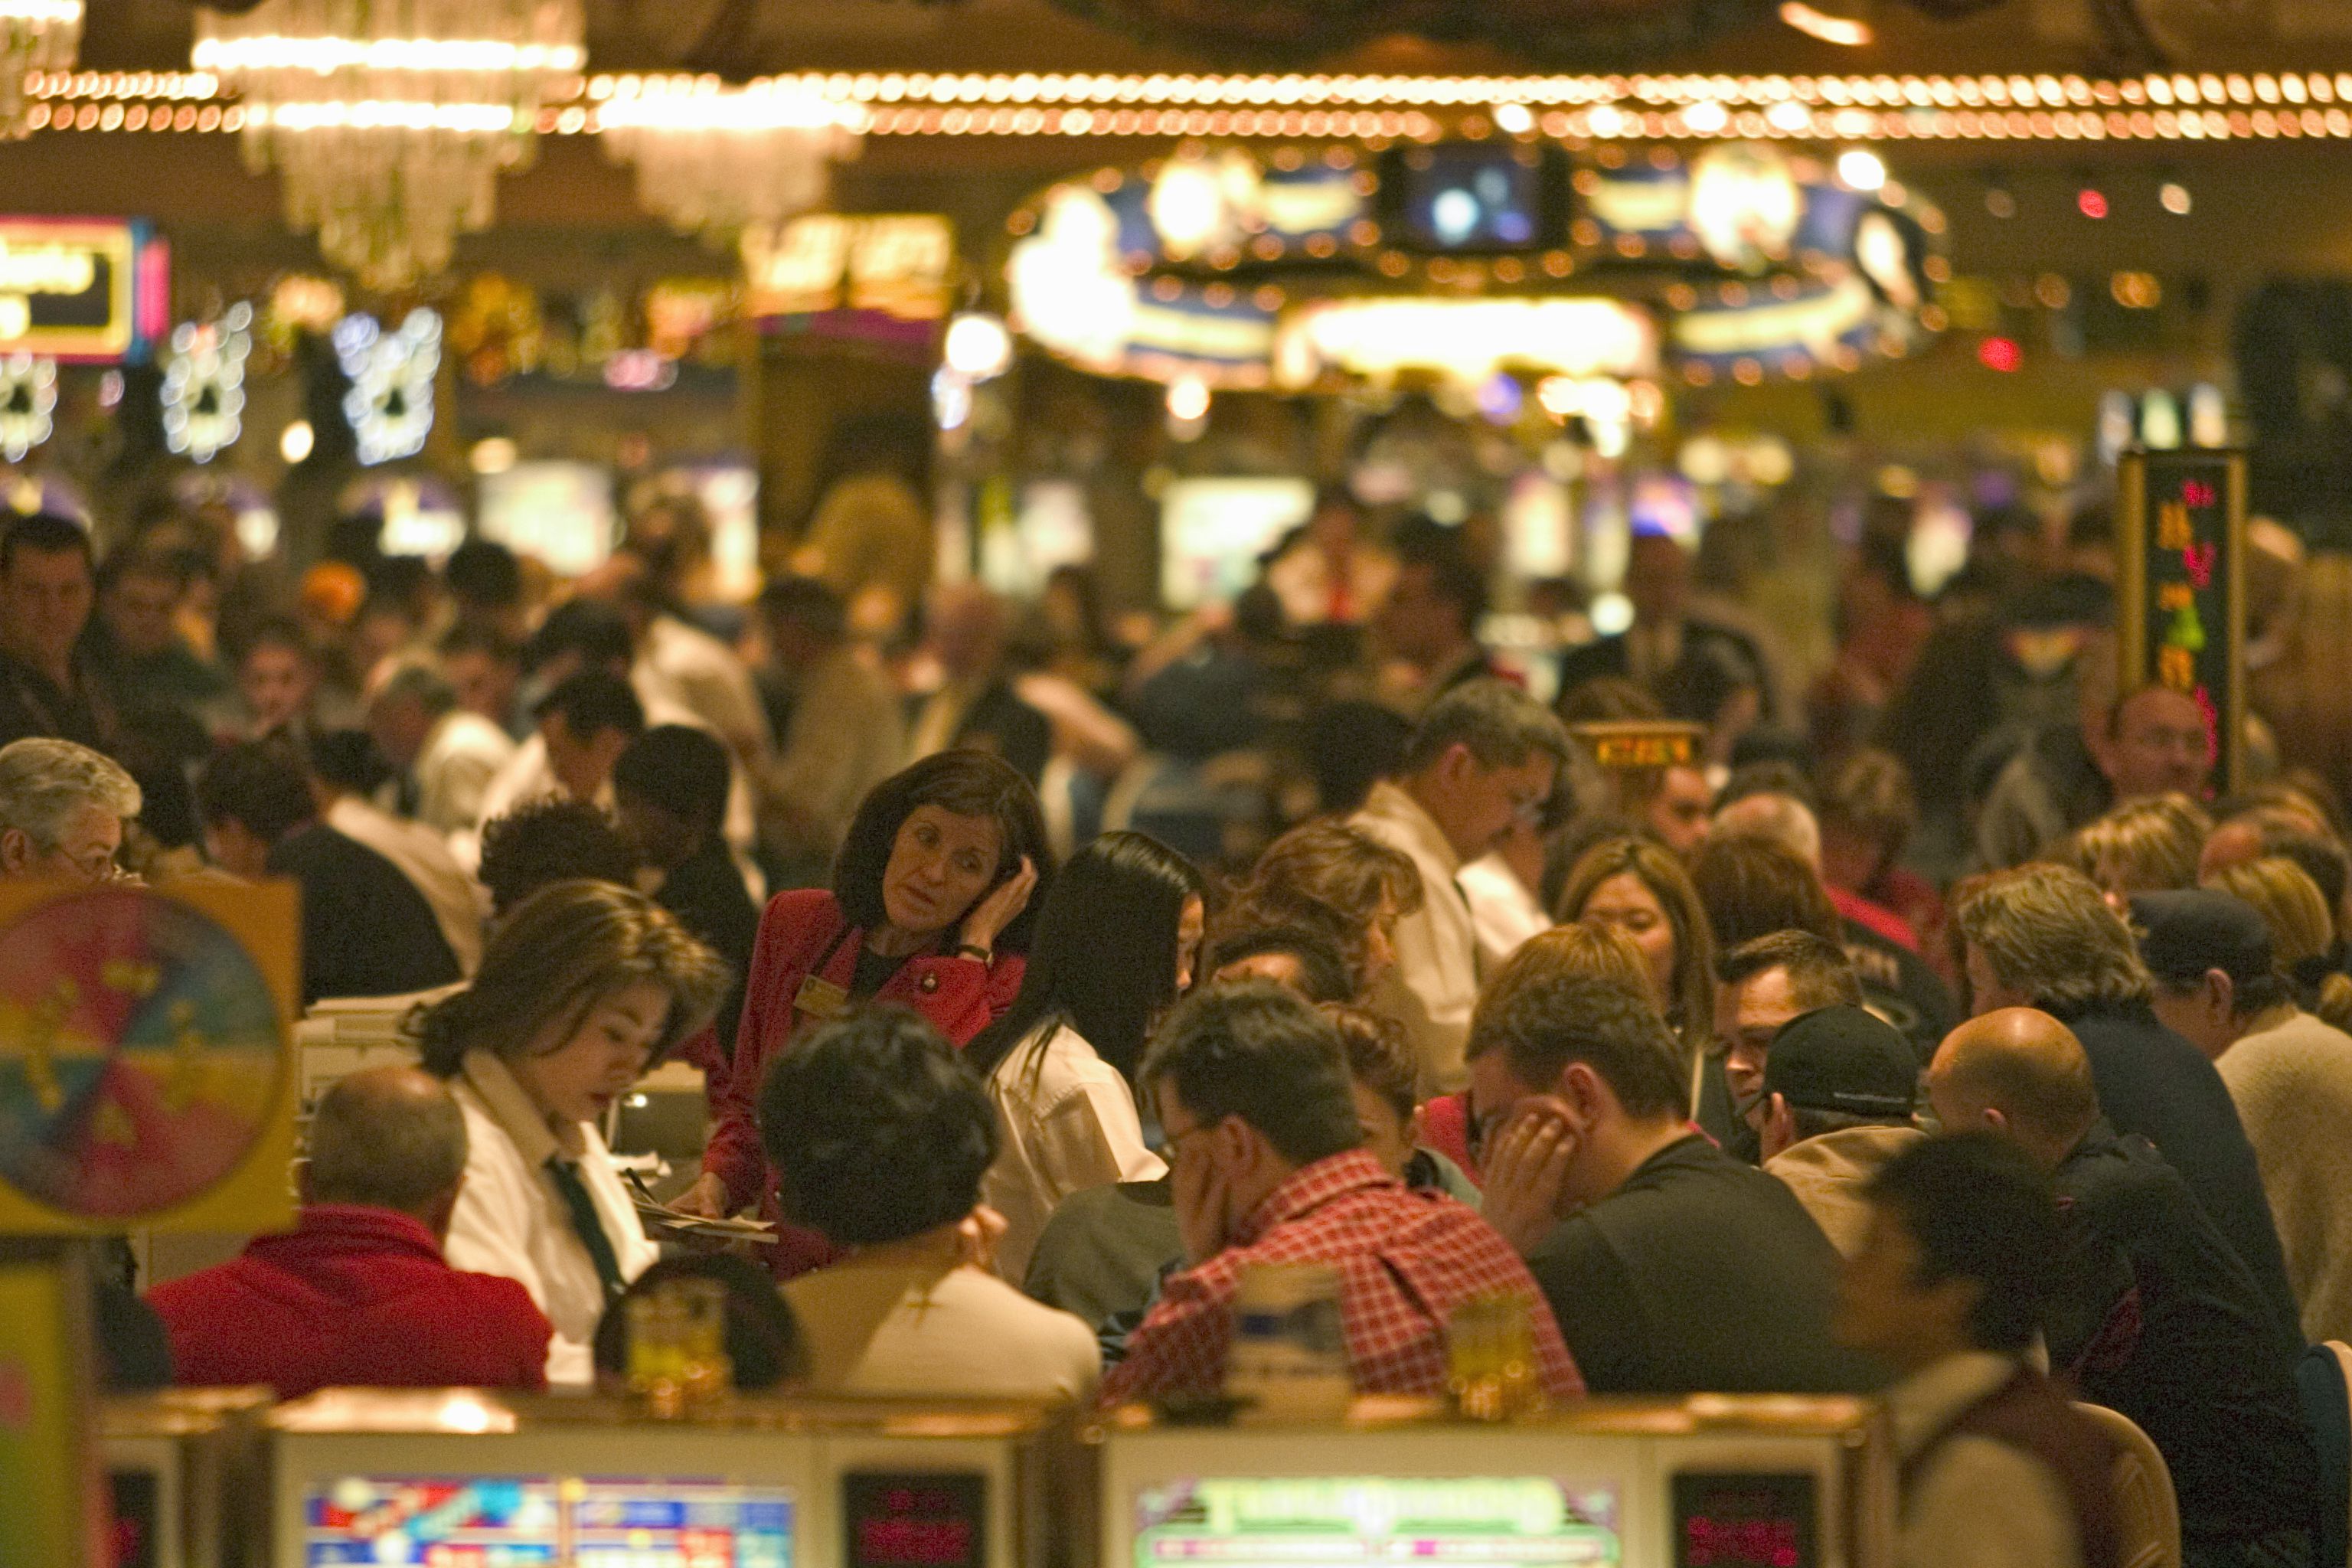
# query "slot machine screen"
(915, 1520)
(511, 1521)
(1378, 1520)
(1731, 1521)
(139, 1536)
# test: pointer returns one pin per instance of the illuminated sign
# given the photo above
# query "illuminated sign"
(1341, 1520)
(1242, 270)
(1634, 744)
(2182, 589)
(541, 1519)
(895, 265)
(390, 404)
(86, 291)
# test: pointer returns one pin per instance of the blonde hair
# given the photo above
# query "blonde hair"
(1690, 1010)
(554, 958)
(2048, 932)
(2148, 846)
(2303, 935)
(1335, 878)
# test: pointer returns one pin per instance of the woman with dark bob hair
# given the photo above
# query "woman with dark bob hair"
(1118, 940)
(931, 908)
(584, 986)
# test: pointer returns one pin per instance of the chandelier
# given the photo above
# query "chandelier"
(389, 121)
(715, 161)
(35, 35)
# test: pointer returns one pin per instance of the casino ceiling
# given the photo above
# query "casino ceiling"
(744, 38)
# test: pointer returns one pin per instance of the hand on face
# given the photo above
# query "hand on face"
(940, 864)
(1526, 1170)
(1002, 908)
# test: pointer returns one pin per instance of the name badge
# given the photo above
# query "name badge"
(821, 999)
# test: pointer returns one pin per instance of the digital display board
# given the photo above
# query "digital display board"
(92, 291)
(1738, 1520)
(2181, 594)
(914, 1520)
(509, 1521)
(1341, 1520)
(1473, 198)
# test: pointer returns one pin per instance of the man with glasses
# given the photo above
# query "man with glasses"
(1266, 1165)
(62, 810)
(1486, 756)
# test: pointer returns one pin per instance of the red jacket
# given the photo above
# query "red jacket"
(960, 997)
(356, 1297)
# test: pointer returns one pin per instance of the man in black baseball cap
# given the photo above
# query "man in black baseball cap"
(1839, 1086)
(2209, 952)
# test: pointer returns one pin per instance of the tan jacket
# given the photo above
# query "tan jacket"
(1828, 1174)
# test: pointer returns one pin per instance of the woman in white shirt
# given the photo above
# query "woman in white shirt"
(1117, 940)
(583, 988)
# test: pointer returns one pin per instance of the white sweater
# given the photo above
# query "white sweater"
(511, 1221)
(2292, 1086)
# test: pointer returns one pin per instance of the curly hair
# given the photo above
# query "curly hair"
(548, 841)
(877, 1129)
(560, 951)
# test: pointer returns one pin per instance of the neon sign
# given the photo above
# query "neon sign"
(2183, 587)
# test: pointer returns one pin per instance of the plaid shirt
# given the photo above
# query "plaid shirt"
(1406, 1260)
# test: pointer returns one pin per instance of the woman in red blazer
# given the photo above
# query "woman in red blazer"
(932, 900)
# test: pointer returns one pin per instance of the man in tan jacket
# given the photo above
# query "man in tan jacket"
(1839, 1086)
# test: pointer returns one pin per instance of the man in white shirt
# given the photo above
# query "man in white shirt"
(584, 634)
(880, 1134)
(1957, 1261)
(446, 756)
(1485, 755)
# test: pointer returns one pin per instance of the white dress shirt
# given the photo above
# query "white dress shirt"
(1503, 912)
(1070, 1123)
(511, 1221)
(1435, 981)
(462, 753)
(529, 775)
(424, 857)
(1977, 1503)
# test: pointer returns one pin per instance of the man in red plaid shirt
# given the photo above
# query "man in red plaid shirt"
(1267, 1167)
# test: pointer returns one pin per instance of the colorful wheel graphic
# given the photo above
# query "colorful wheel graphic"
(140, 1052)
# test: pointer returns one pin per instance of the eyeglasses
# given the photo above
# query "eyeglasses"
(95, 865)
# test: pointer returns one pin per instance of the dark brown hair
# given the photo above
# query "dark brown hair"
(962, 783)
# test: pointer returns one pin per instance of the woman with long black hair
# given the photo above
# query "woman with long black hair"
(1117, 940)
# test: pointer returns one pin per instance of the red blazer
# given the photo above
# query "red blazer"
(959, 996)
(352, 1295)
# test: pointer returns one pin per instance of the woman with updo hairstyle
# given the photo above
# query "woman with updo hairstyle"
(931, 908)
(1337, 879)
(2302, 936)
(583, 988)
(2145, 845)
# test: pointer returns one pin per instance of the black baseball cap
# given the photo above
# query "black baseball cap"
(2184, 934)
(1844, 1058)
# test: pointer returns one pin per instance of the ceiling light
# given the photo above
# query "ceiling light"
(1843, 31)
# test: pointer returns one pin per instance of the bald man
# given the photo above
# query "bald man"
(2157, 1317)
(358, 1292)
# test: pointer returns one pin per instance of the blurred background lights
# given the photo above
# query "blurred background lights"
(1861, 169)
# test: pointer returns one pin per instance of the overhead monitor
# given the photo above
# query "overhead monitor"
(1476, 197)
(1213, 532)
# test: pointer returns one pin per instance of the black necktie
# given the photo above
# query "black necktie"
(587, 1225)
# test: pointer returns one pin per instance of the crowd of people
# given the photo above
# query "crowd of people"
(1046, 986)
